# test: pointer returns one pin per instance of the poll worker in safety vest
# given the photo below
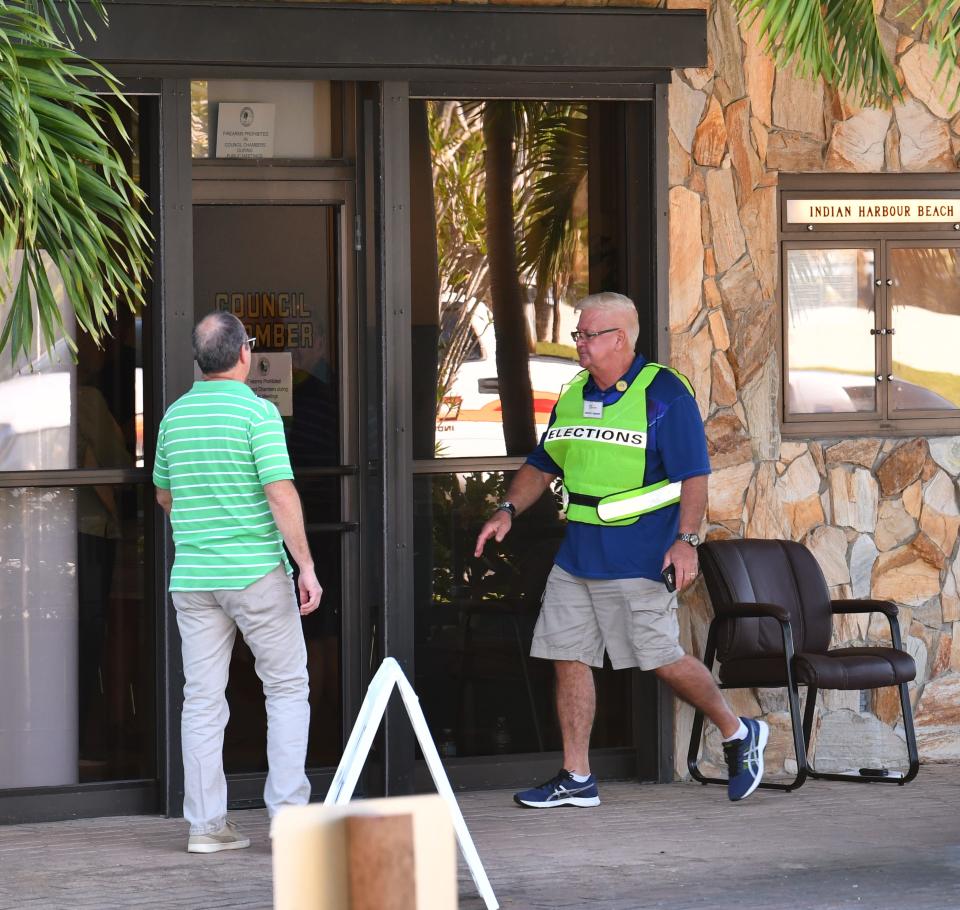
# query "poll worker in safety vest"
(627, 439)
(223, 475)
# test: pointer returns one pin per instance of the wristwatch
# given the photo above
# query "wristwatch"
(508, 507)
(692, 539)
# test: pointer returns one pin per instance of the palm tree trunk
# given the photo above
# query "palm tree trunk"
(541, 310)
(557, 296)
(510, 324)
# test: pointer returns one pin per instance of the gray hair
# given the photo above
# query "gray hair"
(217, 340)
(609, 302)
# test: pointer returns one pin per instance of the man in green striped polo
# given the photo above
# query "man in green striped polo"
(223, 475)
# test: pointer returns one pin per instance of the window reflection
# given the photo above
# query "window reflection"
(925, 310)
(283, 287)
(481, 692)
(77, 637)
(485, 377)
(60, 410)
(77, 672)
(36, 393)
(830, 350)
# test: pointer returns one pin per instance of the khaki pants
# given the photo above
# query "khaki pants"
(633, 619)
(267, 616)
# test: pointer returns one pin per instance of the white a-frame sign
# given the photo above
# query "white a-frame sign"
(358, 747)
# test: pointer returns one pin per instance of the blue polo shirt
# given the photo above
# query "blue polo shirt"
(676, 450)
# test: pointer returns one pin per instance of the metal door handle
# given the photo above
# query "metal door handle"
(879, 377)
(889, 282)
(879, 282)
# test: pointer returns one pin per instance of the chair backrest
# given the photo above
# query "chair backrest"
(780, 572)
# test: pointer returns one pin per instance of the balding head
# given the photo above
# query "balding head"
(217, 340)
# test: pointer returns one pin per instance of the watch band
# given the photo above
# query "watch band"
(692, 539)
(508, 507)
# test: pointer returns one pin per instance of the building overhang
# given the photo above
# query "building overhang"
(414, 43)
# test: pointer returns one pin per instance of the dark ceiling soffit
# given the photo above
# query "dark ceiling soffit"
(635, 87)
(554, 39)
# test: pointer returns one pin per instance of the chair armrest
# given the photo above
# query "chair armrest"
(865, 606)
(752, 610)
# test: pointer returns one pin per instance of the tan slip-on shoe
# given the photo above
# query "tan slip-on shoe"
(227, 838)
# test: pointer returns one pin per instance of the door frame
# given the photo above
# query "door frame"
(287, 183)
(651, 754)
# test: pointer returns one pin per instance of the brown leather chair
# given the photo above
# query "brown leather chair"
(772, 627)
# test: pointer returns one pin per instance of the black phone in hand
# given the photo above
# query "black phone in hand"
(669, 576)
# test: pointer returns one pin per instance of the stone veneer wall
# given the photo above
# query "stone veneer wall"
(880, 515)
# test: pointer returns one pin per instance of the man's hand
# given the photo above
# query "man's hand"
(310, 591)
(497, 527)
(684, 559)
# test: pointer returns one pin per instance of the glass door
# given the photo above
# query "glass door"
(923, 319)
(517, 211)
(78, 630)
(272, 254)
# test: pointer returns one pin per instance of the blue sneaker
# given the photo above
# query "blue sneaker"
(745, 759)
(561, 790)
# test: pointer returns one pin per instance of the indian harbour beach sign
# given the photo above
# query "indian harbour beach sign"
(873, 211)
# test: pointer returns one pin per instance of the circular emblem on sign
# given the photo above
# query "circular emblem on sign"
(264, 365)
(246, 116)
(621, 385)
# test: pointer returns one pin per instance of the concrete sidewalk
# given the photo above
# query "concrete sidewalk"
(677, 846)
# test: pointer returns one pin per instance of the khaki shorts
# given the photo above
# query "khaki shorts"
(634, 619)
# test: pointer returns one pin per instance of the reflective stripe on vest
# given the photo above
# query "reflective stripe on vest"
(603, 459)
(634, 503)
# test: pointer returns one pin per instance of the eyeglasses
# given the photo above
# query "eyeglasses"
(589, 336)
(251, 343)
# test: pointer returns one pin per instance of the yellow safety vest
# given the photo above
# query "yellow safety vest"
(603, 457)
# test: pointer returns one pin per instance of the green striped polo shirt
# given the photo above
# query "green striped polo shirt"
(217, 447)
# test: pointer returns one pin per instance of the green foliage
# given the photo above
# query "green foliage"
(556, 171)
(942, 19)
(461, 504)
(838, 40)
(550, 155)
(456, 149)
(65, 196)
(549, 349)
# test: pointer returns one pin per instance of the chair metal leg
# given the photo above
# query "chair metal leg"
(883, 777)
(914, 760)
(809, 710)
(797, 727)
(802, 728)
(908, 730)
(696, 733)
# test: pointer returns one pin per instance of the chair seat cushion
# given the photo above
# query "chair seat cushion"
(842, 668)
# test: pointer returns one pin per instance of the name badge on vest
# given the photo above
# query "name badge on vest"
(593, 409)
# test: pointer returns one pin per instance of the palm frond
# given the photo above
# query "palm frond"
(942, 18)
(66, 198)
(53, 12)
(837, 40)
(556, 168)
